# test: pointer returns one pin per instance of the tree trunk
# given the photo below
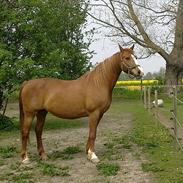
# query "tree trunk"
(180, 78)
(171, 75)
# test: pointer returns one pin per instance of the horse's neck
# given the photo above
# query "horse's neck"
(114, 71)
(110, 72)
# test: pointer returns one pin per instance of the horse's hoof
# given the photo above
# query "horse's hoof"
(26, 161)
(92, 157)
(95, 160)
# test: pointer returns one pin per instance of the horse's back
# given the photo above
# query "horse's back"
(60, 97)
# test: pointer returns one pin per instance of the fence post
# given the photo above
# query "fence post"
(156, 103)
(145, 97)
(175, 108)
(149, 98)
(141, 89)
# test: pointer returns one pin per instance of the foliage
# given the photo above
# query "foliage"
(160, 76)
(42, 39)
(6, 123)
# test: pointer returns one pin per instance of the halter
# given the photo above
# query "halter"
(129, 68)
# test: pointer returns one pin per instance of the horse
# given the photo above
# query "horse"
(88, 96)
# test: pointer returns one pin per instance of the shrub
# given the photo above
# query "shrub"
(6, 123)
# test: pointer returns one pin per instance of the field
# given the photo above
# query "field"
(131, 147)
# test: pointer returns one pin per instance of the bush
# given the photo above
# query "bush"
(6, 123)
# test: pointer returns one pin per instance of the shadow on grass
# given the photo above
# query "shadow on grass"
(52, 123)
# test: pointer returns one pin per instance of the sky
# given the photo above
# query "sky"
(105, 48)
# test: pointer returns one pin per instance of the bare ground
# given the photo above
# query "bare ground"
(80, 169)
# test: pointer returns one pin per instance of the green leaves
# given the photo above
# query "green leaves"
(42, 39)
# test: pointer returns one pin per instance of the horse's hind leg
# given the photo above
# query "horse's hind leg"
(25, 129)
(41, 115)
(94, 119)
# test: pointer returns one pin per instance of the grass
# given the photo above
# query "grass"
(52, 170)
(18, 174)
(126, 94)
(52, 123)
(66, 154)
(23, 177)
(8, 151)
(71, 150)
(108, 169)
(29, 174)
(111, 151)
(168, 105)
(165, 157)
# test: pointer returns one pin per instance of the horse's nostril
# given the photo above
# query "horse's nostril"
(139, 72)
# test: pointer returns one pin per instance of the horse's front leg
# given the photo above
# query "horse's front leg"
(94, 119)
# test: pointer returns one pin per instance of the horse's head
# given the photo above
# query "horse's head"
(128, 62)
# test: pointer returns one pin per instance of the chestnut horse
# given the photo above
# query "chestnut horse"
(90, 95)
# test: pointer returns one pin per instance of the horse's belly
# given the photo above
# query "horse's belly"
(67, 110)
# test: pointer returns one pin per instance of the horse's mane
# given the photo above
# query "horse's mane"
(99, 73)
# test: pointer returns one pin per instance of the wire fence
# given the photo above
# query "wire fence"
(166, 103)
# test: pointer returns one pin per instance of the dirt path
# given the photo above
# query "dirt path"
(80, 169)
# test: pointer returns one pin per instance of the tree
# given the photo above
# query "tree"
(160, 75)
(154, 25)
(42, 39)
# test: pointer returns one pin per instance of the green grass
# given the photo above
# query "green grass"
(126, 93)
(168, 105)
(66, 154)
(52, 170)
(54, 123)
(112, 151)
(22, 177)
(108, 169)
(8, 151)
(165, 157)
(18, 174)
(71, 150)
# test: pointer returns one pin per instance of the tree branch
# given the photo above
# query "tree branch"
(145, 36)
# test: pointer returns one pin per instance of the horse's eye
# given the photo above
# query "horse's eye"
(127, 58)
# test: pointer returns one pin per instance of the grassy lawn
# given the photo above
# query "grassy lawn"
(168, 105)
(165, 158)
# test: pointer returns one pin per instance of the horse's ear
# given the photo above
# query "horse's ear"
(132, 47)
(120, 47)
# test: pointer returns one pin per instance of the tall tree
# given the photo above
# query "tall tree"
(42, 39)
(156, 26)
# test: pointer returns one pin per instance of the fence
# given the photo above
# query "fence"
(166, 104)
